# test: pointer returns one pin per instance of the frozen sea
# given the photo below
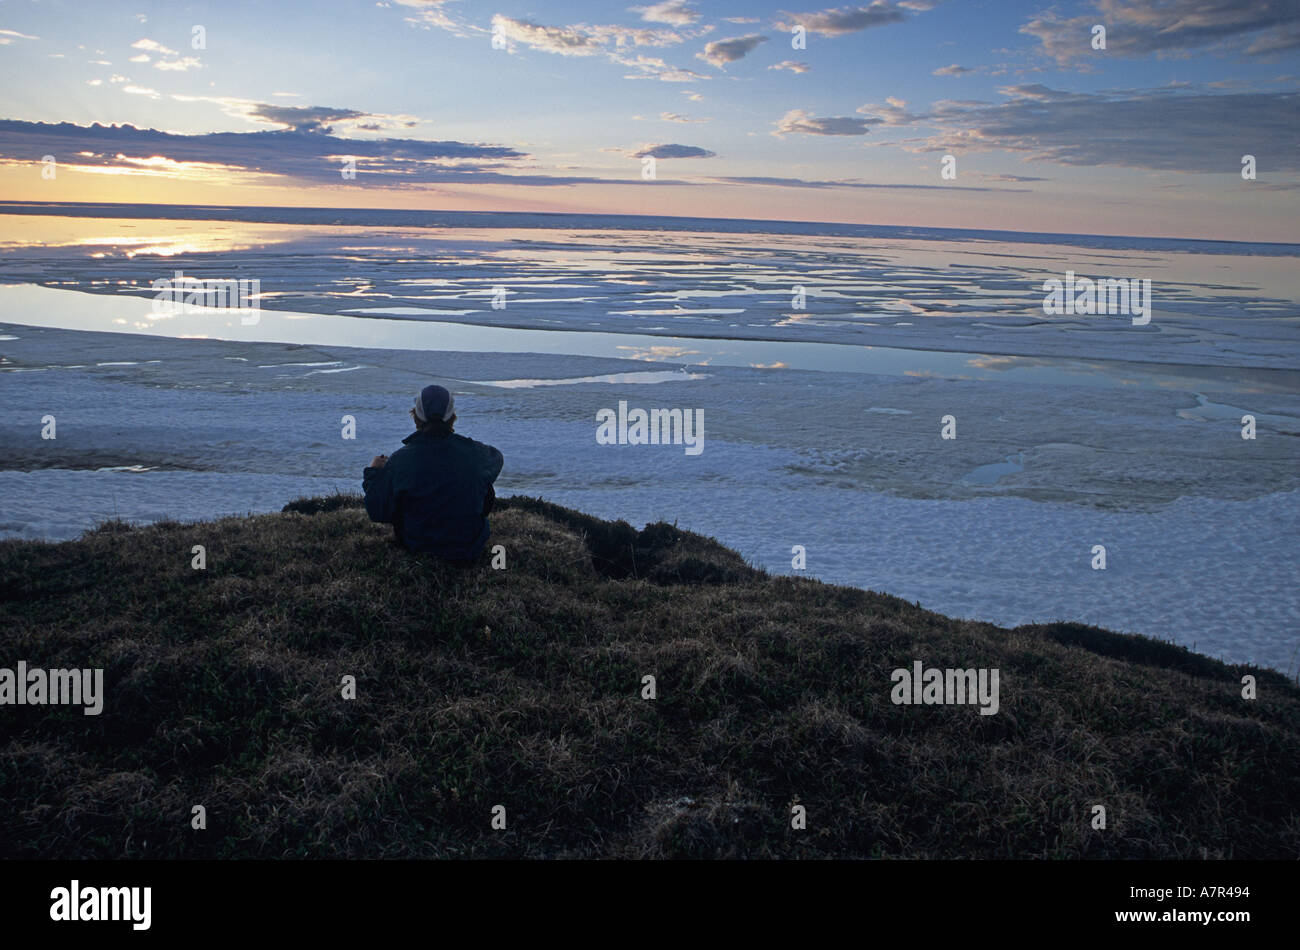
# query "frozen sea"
(822, 410)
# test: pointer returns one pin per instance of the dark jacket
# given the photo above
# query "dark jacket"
(432, 490)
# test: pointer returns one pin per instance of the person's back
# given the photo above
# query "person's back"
(436, 490)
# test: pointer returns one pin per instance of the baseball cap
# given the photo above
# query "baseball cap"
(434, 402)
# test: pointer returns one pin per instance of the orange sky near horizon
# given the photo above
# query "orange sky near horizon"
(1204, 214)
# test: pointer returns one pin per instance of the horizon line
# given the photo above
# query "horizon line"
(18, 207)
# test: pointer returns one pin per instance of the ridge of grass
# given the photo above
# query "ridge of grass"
(522, 687)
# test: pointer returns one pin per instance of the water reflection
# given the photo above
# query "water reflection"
(28, 304)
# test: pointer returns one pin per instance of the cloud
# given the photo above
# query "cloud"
(321, 119)
(799, 122)
(179, 65)
(626, 36)
(1157, 129)
(565, 41)
(142, 91)
(302, 118)
(580, 40)
(843, 20)
(672, 12)
(892, 112)
(176, 63)
(678, 117)
(1036, 90)
(153, 46)
(613, 42)
(953, 70)
(1011, 178)
(848, 183)
(307, 156)
(721, 52)
(1170, 27)
(670, 151)
(8, 36)
(1275, 43)
(430, 13)
(791, 65)
(651, 67)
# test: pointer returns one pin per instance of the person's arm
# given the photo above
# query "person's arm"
(492, 462)
(377, 482)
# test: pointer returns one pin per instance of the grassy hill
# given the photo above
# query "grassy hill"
(522, 687)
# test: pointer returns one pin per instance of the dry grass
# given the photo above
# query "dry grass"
(522, 688)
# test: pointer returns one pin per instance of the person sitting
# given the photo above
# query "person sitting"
(436, 491)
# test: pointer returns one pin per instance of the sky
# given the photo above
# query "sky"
(997, 114)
